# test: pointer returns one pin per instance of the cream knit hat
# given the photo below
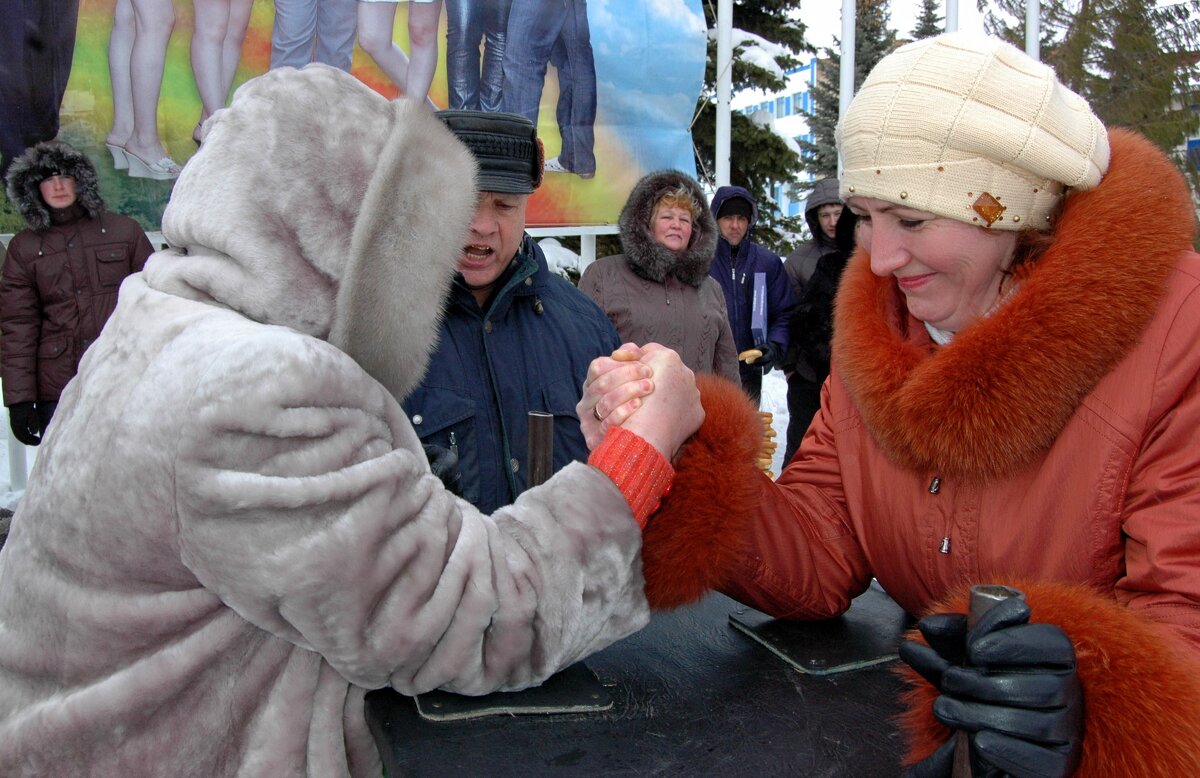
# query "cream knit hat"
(968, 127)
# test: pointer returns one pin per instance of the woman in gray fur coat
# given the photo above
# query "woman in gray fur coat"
(659, 290)
(232, 532)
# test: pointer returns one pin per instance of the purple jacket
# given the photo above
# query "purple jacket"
(736, 277)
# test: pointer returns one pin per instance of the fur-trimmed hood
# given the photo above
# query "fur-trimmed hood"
(355, 230)
(825, 192)
(724, 193)
(648, 258)
(39, 163)
(996, 398)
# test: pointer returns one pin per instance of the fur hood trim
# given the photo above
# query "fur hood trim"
(995, 399)
(653, 261)
(317, 204)
(695, 540)
(39, 163)
(1141, 687)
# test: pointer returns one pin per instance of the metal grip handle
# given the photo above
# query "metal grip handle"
(541, 447)
(984, 597)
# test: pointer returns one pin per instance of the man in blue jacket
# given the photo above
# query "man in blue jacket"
(515, 338)
(738, 259)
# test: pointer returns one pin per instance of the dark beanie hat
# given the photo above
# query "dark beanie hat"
(505, 145)
(736, 206)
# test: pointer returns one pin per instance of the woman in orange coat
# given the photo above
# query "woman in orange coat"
(1014, 399)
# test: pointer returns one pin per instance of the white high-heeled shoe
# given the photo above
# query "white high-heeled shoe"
(162, 170)
(120, 161)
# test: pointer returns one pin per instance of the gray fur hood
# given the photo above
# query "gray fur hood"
(353, 231)
(652, 260)
(39, 163)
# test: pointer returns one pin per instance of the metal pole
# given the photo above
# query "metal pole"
(846, 75)
(951, 15)
(724, 87)
(587, 250)
(1033, 21)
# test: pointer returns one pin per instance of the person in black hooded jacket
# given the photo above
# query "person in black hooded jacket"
(60, 279)
(814, 268)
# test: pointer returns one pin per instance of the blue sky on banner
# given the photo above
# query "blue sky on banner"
(650, 70)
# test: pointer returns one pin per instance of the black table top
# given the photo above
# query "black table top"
(690, 696)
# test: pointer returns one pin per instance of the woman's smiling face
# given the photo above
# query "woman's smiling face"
(949, 271)
(671, 226)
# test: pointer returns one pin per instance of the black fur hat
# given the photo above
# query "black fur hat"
(42, 161)
(648, 258)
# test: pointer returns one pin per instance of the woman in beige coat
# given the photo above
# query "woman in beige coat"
(232, 532)
(659, 291)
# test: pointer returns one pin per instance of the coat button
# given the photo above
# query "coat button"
(514, 464)
(487, 327)
(418, 419)
(529, 281)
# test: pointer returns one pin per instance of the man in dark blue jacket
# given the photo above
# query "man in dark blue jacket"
(515, 338)
(738, 259)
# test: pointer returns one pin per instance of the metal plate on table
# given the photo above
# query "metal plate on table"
(573, 690)
(867, 634)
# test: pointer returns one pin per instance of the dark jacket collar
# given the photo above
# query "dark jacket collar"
(523, 276)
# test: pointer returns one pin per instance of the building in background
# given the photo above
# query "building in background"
(786, 112)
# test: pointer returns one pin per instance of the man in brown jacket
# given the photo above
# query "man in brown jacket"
(59, 282)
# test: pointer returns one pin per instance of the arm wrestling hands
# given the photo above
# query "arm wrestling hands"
(648, 390)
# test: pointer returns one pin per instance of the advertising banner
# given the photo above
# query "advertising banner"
(611, 84)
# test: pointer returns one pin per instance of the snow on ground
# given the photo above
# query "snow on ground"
(21, 458)
(12, 452)
(774, 400)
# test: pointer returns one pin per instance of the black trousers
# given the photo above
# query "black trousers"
(804, 400)
(37, 46)
(751, 381)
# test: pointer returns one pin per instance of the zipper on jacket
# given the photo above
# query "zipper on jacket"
(935, 488)
(453, 444)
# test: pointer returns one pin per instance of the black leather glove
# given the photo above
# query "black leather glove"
(25, 422)
(444, 464)
(1018, 693)
(770, 355)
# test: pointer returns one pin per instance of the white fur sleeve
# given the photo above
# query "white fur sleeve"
(306, 504)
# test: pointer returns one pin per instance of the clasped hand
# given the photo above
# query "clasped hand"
(648, 390)
(1009, 683)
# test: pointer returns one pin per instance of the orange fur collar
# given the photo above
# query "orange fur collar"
(995, 399)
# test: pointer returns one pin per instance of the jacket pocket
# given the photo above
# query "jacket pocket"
(110, 263)
(52, 274)
(55, 366)
(443, 417)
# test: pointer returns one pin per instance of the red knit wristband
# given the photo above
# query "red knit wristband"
(642, 474)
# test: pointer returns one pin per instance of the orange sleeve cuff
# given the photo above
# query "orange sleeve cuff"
(638, 469)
